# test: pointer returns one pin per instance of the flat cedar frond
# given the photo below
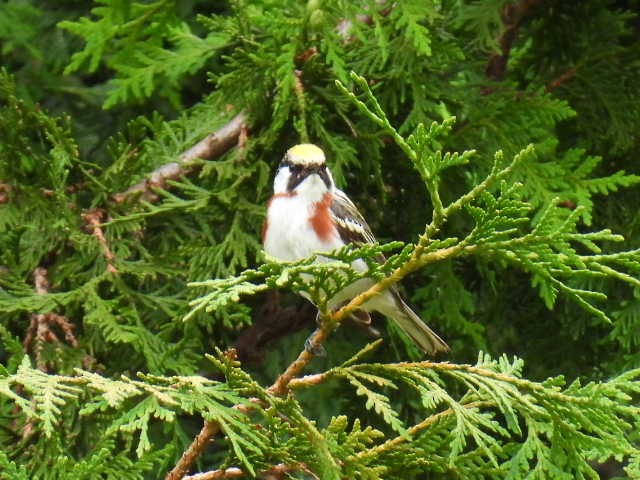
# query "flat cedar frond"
(492, 147)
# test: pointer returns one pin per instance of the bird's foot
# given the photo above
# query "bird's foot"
(315, 349)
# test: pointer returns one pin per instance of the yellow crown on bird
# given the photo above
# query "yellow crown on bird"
(306, 154)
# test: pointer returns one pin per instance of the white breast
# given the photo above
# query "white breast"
(290, 235)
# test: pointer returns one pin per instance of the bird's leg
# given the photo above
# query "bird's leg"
(315, 349)
(310, 346)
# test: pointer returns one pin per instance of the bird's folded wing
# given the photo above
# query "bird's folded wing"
(351, 225)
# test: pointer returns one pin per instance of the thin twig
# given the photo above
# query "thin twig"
(206, 434)
(94, 219)
(209, 430)
(308, 380)
(212, 146)
(555, 83)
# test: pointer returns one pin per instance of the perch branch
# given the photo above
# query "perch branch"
(281, 385)
(271, 321)
(209, 430)
(212, 146)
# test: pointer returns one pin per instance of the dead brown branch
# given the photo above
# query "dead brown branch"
(40, 330)
(212, 146)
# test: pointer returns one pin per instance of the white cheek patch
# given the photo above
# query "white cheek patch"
(281, 180)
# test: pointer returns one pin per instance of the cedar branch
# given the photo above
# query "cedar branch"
(212, 146)
(413, 431)
(282, 384)
(418, 259)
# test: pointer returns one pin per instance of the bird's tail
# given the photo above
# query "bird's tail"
(411, 324)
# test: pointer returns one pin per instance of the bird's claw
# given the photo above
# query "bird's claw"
(315, 349)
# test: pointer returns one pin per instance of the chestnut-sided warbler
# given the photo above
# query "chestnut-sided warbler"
(307, 215)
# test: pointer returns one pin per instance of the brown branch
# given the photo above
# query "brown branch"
(94, 219)
(204, 437)
(212, 146)
(308, 380)
(568, 75)
(512, 16)
(281, 385)
(209, 430)
(418, 260)
(272, 321)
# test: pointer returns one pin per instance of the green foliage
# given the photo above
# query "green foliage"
(498, 423)
(536, 418)
(117, 299)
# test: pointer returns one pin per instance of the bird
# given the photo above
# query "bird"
(307, 214)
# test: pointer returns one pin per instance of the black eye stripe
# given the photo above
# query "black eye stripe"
(298, 173)
(295, 179)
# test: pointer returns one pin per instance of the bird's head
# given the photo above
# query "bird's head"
(303, 171)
